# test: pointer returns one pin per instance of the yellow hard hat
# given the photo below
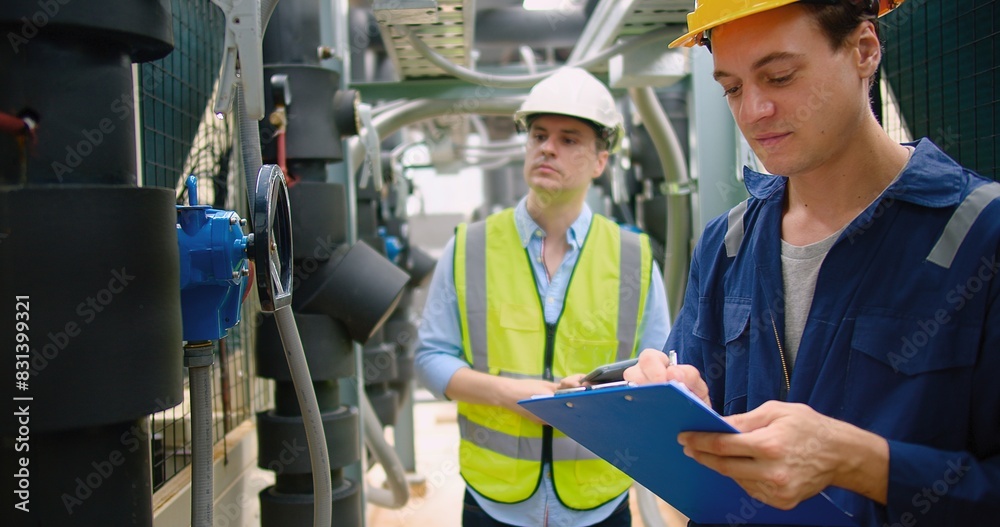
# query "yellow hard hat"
(709, 14)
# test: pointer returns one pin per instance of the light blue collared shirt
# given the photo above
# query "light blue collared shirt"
(439, 354)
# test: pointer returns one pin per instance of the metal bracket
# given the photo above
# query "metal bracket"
(369, 138)
(242, 58)
(281, 90)
(677, 189)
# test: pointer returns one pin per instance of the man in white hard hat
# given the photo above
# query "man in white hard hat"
(845, 317)
(530, 298)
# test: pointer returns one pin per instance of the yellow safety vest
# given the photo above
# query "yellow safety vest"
(504, 333)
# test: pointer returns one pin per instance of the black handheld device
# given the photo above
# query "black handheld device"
(613, 372)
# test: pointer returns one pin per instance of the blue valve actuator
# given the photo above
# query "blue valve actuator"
(393, 245)
(214, 268)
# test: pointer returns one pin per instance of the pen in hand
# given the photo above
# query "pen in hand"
(672, 355)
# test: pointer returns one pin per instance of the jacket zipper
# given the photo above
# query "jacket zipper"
(781, 353)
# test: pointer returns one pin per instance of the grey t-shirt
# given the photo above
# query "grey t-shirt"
(799, 270)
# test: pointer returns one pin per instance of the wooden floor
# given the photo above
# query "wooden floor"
(437, 488)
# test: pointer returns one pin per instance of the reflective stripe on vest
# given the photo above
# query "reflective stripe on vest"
(961, 221)
(525, 448)
(628, 308)
(734, 232)
(475, 273)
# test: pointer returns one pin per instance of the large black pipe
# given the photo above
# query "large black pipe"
(94, 259)
(69, 63)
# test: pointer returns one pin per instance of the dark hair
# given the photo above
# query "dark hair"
(840, 19)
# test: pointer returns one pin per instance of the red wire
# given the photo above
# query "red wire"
(12, 125)
(283, 160)
(250, 281)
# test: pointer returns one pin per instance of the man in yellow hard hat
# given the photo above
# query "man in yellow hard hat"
(846, 317)
(530, 298)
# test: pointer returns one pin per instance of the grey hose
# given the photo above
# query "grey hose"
(526, 81)
(399, 491)
(668, 148)
(319, 457)
(200, 378)
(249, 146)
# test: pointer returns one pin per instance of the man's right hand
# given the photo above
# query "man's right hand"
(481, 388)
(654, 367)
(518, 389)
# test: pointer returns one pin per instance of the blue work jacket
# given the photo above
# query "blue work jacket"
(903, 337)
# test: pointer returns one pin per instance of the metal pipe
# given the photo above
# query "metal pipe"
(505, 145)
(502, 162)
(399, 491)
(528, 57)
(198, 359)
(417, 110)
(678, 244)
(526, 81)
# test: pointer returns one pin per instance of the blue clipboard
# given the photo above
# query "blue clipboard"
(635, 429)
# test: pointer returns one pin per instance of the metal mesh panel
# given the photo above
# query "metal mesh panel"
(941, 65)
(180, 135)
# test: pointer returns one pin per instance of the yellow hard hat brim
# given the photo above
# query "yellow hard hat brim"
(693, 37)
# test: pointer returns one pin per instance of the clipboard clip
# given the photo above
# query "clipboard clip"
(577, 389)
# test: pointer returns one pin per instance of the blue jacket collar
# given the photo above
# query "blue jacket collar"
(931, 179)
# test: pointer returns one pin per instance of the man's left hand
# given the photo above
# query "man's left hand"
(789, 452)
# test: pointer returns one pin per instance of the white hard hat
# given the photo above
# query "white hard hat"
(576, 93)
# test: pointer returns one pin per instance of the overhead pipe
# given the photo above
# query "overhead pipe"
(417, 110)
(527, 81)
(513, 26)
(678, 184)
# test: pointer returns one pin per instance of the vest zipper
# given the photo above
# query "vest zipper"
(550, 349)
(781, 353)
